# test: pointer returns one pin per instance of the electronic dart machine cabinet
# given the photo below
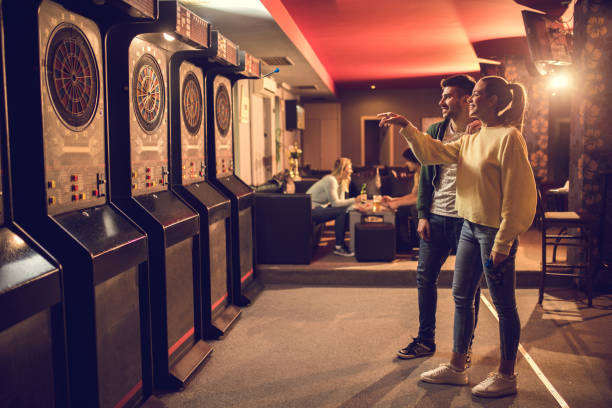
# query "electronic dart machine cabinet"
(190, 180)
(137, 74)
(56, 124)
(225, 68)
(32, 342)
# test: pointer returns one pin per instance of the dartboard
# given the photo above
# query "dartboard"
(72, 76)
(223, 109)
(192, 103)
(148, 94)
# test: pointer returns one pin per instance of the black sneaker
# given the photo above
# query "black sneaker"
(417, 349)
(343, 251)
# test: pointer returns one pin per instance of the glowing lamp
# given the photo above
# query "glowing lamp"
(558, 81)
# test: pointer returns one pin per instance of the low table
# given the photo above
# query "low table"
(383, 215)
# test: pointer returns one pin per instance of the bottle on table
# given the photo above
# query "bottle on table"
(363, 195)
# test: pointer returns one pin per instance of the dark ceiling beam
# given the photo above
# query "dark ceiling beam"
(552, 8)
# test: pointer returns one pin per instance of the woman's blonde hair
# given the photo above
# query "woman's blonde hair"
(338, 172)
(511, 100)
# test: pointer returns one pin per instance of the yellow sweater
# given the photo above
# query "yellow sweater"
(495, 184)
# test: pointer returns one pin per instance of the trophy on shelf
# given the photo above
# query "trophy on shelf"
(294, 162)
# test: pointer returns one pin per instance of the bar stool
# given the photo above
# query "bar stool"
(565, 223)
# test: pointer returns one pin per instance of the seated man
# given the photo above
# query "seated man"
(405, 205)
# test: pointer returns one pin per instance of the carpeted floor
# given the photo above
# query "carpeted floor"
(335, 347)
(329, 269)
(325, 335)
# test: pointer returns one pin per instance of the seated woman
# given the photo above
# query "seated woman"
(405, 205)
(328, 202)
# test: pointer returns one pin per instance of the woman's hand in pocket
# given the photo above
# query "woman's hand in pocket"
(497, 258)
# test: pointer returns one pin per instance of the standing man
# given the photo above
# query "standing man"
(439, 224)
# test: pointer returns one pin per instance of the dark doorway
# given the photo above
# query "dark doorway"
(373, 136)
(559, 138)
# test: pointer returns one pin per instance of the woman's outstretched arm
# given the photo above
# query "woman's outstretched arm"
(427, 149)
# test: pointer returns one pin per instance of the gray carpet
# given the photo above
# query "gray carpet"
(329, 269)
(335, 347)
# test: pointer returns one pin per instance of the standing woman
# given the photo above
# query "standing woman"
(328, 202)
(496, 195)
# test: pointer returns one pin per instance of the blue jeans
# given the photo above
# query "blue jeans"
(338, 214)
(476, 242)
(443, 239)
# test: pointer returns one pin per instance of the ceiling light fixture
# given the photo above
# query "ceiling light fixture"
(245, 7)
(168, 37)
(488, 61)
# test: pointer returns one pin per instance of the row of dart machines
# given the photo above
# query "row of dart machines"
(126, 239)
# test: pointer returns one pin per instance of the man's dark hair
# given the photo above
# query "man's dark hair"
(409, 155)
(464, 82)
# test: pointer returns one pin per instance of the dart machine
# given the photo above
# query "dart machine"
(137, 57)
(223, 70)
(191, 181)
(32, 340)
(56, 110)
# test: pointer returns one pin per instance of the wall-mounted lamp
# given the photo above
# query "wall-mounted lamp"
(558, 81)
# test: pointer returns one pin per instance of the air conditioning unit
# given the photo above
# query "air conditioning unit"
(264, 86)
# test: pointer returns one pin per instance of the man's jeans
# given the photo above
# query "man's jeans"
(444, 236)
(338, 214)
(476, 242)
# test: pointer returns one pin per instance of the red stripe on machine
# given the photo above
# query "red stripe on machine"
(218, 302)
(129, 395)
(245, 277)
(180, 341)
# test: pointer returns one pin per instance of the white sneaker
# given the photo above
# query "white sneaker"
(343, 251)
(445, 374)
(496, 385)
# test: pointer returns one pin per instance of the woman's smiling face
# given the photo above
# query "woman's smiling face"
(479, 103)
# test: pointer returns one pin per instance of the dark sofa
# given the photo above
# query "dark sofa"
(284, 231)
(394, 181)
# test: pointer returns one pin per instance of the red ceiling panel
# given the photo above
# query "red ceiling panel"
(369, 40)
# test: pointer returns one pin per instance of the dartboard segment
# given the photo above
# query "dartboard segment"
(148, 93)
(192, 103)
(72, 76)
(223, 109)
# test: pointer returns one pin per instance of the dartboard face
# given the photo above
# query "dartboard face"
(192, 103)
(72, 76)
(223, 109)
(148, 94)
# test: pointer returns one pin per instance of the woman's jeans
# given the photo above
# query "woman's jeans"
(477, 240)
(338, 214)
